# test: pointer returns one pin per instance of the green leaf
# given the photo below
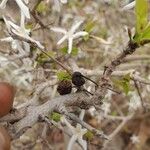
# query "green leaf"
(141, 10)
(126, 87)
(124, 83)
(29, 26)
(86, 37)
(127, 77)
(64, 50)
(89, 26)
(114, 113)
(63, 75)
(103, 32)
(74, 51)
(89, 135)
(42, 7)
(43, 57)
(55, 116)
(146, 34)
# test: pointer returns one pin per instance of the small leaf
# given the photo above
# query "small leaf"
(55, 116)
(114, 113)
(29, 26)
(103, 32)
(64, 50)
(89, 26)
(86, 37)
(42, 57)
(127, 77)
(146, 34)
(42, 7)
(63, 75)
(89, 135)
(141, 15)
(126, 87)
(124, 83)
(74, 51)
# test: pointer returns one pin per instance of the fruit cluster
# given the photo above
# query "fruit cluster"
(65, 86)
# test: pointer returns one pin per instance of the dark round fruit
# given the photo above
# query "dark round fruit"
(78, 79)
(64, 87)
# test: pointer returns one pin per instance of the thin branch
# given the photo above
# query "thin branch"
(140, 95)
(33, 112)
(37, 19)
(57, 125)
(137, 57)
(140, 79)
(42, 50)
(87, 126)
(116, 131)
(104, 80)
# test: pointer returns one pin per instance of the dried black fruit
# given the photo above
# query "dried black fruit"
(78, 79)
(64, 87)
